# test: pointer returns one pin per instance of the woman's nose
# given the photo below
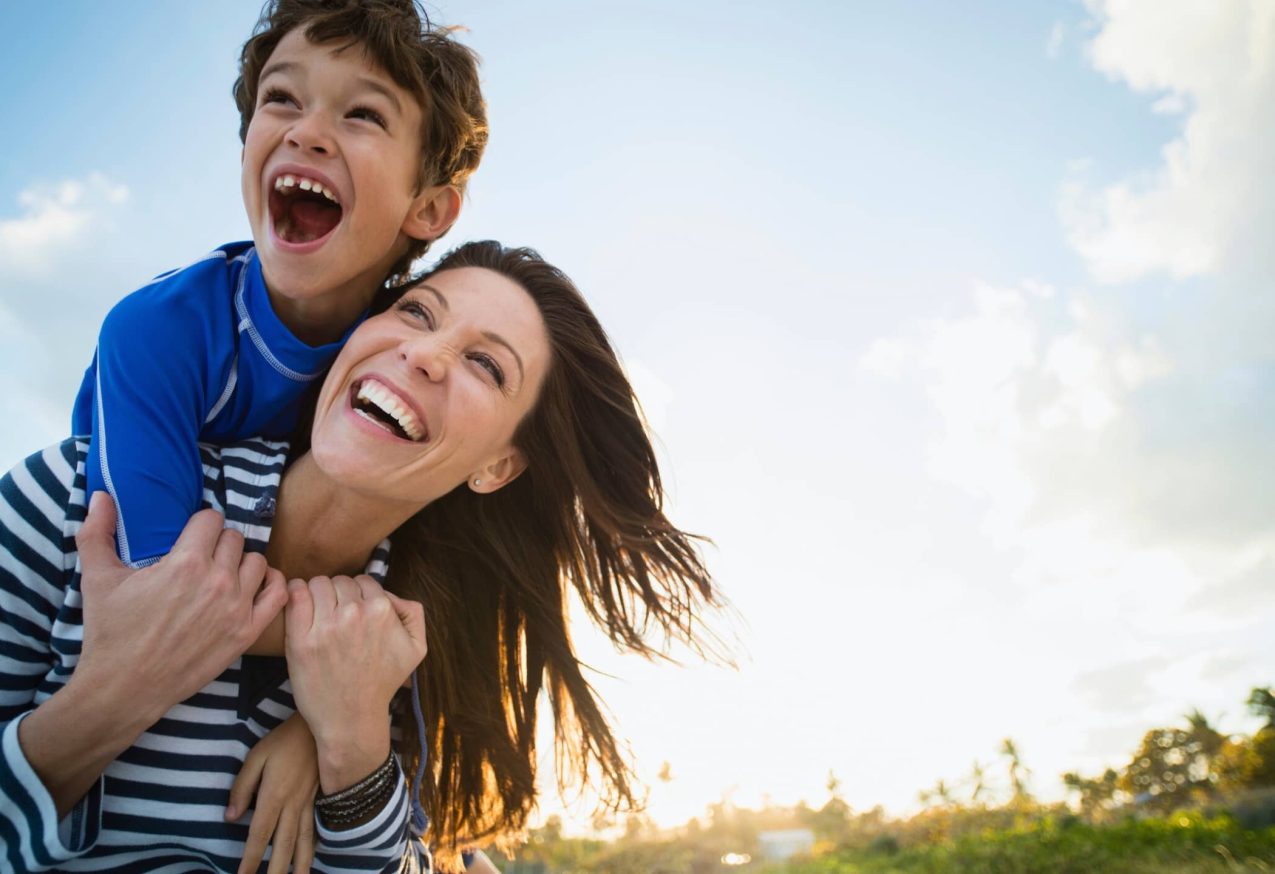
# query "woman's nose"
(427, 355)
(311, 133)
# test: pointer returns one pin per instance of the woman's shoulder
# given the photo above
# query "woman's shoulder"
(46, 483)
(41, 507)
(241, 481)
(44, 493)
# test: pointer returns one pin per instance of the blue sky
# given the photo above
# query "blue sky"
(950, 320)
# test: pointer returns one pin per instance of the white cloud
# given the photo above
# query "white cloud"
(1214, 63)
(53, 220)
(1016, 383)
(58, 273)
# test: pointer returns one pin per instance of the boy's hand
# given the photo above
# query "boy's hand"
(283, 770)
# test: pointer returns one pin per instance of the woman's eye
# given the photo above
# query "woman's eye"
(487, 363)
(417, 310)
(366, 114)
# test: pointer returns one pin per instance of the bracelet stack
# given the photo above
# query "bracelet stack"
(353, 805)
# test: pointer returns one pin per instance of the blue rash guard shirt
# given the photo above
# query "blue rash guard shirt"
(196, 355)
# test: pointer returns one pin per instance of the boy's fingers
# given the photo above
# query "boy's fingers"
(285, 838)
(303, 855)
(95, 541)
(264, 819)
(245, 785)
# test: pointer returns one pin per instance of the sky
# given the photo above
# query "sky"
(952, 322)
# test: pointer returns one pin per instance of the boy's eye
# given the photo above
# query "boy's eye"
(277, 95)
(489, 364)
(367, 114)
(417, 310)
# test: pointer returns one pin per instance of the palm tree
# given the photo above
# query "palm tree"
(1262, 703)
(1018, 772)
(978, 777)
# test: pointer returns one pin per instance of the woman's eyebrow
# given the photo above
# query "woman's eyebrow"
(490, 335)
(442, 301)
(496, 338)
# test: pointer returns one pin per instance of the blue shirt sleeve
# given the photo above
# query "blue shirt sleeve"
(148, 399)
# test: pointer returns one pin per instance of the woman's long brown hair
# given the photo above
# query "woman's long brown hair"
(494, 572)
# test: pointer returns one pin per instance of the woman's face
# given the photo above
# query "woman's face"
(427, 395)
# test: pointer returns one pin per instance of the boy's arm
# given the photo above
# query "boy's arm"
(270, 643)
(148, 404)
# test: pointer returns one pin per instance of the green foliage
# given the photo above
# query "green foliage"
(1060, 845)
(1190, 801)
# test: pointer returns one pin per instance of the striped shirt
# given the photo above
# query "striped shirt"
(160, 805)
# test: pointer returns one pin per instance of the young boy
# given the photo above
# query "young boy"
(360, 127)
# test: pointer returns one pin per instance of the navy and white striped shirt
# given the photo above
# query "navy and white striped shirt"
(160, 805)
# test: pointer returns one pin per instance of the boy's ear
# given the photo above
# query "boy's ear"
(432, 212)
(499, 473)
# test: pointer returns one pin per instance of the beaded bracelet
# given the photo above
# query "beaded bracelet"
(353, 804)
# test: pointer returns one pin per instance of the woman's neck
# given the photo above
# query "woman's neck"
(323, 529)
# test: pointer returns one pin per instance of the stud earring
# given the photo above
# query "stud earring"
(478, 482)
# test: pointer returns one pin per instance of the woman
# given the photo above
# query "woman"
(482, 423)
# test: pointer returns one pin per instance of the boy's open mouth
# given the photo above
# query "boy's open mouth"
(303, 210)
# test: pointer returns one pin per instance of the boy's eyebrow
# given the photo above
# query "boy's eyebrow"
(366, 82)
(490, 335)
(277, 67)
(379, 88)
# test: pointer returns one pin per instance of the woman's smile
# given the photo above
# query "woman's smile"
(375, 400)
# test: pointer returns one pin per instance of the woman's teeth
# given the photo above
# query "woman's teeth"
(387, 403)
(286, 184)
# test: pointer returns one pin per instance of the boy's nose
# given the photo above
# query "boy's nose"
(310, 133)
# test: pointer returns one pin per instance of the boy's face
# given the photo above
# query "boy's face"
(329, 118)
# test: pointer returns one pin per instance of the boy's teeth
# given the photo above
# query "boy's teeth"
(375, 393)
(287, 182)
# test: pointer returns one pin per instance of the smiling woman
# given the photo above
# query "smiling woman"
(478, 432)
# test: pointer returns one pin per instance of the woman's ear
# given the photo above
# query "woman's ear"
(499, 473)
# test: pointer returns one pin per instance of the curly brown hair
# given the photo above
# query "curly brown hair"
(420, 56)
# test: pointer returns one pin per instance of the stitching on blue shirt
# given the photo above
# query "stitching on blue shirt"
(218, 253)
(245, 323)
(120, 534)
(226, 392)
